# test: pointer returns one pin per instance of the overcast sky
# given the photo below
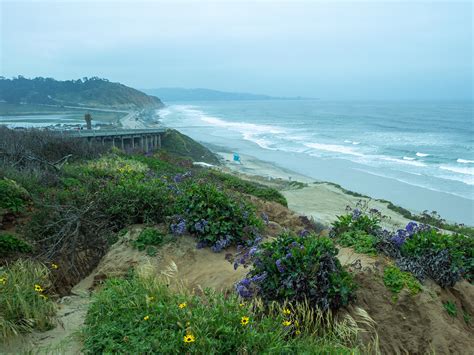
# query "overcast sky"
(331, 50)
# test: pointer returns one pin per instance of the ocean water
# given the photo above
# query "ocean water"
(417, 154)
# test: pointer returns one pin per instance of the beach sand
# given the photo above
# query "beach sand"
(318, 199)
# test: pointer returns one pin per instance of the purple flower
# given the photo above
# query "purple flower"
(303, 233)
(221, 244)
(356, 214)
(201, 225)
(279, 266)
(180, 177)
(201, 244)
(259, 277)
(253, 251)
(178, 228)
(289, 255)
(411, 228)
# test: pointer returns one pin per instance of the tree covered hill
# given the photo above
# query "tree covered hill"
(90, 92)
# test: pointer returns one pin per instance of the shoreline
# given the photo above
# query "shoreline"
(321, 200)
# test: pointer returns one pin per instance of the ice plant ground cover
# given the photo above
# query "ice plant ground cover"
(142, 314)
(420, 249)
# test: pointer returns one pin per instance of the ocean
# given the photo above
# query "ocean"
(419, 155)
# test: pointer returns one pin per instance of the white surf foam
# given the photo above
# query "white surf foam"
(465, 161)
(421, 155)
(333, 148)
(408, 158)
(460, 170)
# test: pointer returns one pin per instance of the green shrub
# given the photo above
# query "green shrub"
(140, 315)
(248, 187)
(216, 217)
(131, 201)
(13, 197)
(10, 244)
(459, 247)
(451, 308)
(395, 280)
(359, 240)
(297, 268)
(357, 221)
(24, 306)
(147, 237)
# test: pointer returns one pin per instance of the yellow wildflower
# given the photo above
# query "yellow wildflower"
(242, 304)
(3, 280)
(43, 297)
(182, 305)
(286, 311)
(297, 332)
(244, 320)
(189, 338)
(146, 317)
(38, 288)
(188, 324)
(287, 323)
(150, 298)
(54, 266)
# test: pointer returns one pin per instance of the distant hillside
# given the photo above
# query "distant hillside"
(181, 94)
(89, 92)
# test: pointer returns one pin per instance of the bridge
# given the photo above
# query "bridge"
(145, 139)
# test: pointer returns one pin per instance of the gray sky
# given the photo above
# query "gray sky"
(332, 50)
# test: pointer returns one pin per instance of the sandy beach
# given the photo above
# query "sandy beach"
(318, 199)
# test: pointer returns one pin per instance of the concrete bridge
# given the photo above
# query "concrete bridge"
(145, 139)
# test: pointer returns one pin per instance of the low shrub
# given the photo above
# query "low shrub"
(217, 218)
(24, 304)
(13, 197)
(248, 187)
(396, 280)
(133, 201)
(10, 244)
(451, 308)
(360, 241)
(148, 240)
(418, 248)
(140, 315)
(297, 268)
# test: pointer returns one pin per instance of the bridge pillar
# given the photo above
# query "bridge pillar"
(159, 141)
(122, 143)
(133, 142)
(113, 142)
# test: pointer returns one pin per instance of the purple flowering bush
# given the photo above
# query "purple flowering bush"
(216, 217)
(418, 248)
(295, 268)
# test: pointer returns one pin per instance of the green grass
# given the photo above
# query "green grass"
(143, 315)
(361, 242)
(22, 308)
(396, 280)
(451, 308)
(10, 244)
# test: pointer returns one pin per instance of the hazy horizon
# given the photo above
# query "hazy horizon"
(356, 50)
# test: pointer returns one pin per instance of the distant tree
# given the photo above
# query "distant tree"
(88, 118)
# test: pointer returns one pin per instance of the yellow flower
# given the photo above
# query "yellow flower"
(189, 338)
(286, 311)
(188, 324)
(182, 305)
(38, 288)
(287, 323)
(43, 297)
(150, 298)
(242, 304)
(244, 320)
(297, 332)
(54, 266)
(3, 280)
(146, 317)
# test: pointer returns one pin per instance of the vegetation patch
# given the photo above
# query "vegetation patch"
(451, 308)
(24, 303)
(418, 248)
(10, 244)
(297, 268)
(148, 240)
(396, 280)
(217, 218)
(248, 187)
(142, 315)
(13, 197)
